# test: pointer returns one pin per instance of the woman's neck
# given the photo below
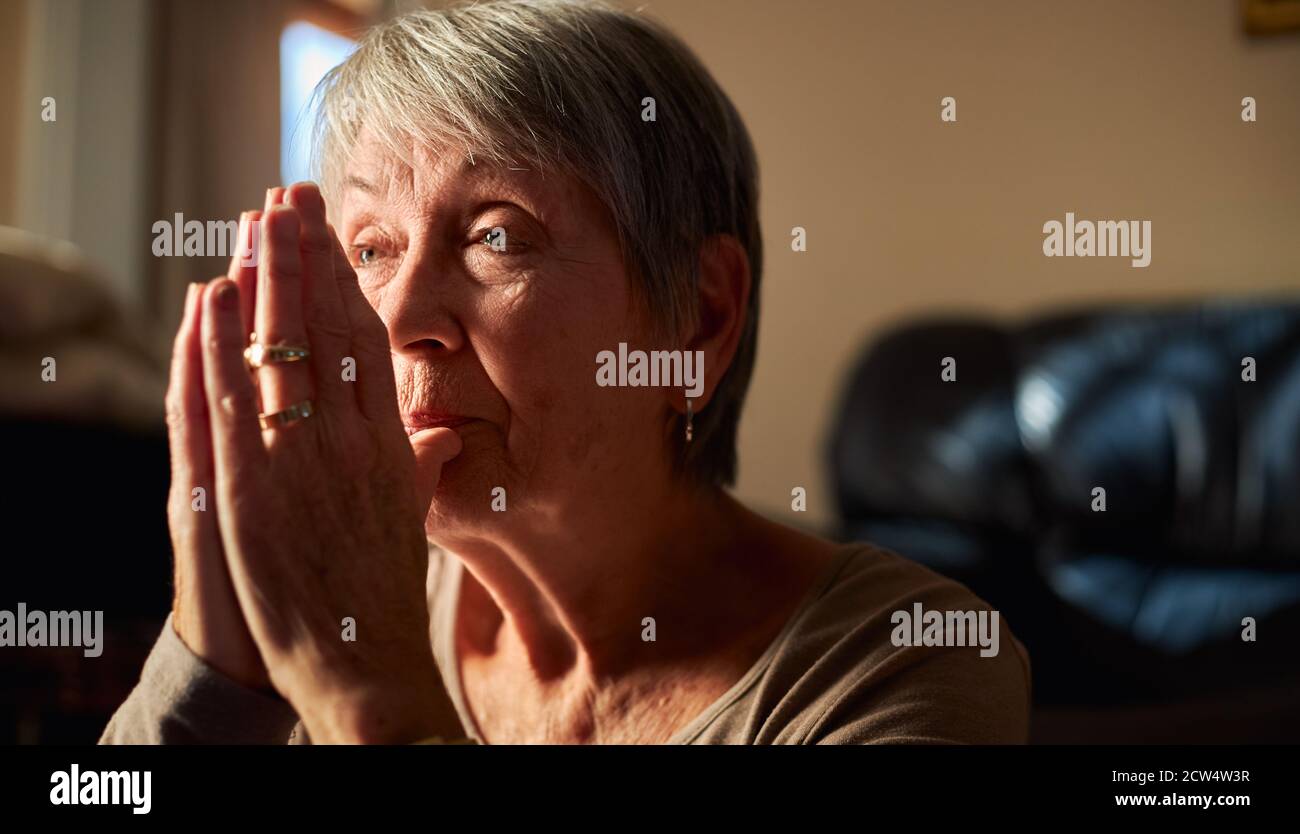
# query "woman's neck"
(582, 598)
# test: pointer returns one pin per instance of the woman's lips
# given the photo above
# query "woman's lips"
(414, 423)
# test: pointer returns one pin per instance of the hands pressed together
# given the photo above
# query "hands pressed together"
(312, 520)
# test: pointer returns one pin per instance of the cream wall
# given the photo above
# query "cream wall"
(1112, 110)
(13, 25)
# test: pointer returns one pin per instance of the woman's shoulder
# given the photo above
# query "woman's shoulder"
(886, 650)
(861, 582)
(878, 581)
(901, 634)
(865, 586)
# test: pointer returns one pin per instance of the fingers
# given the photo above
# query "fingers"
(326, 320)
(189, 438)
(243, 266)
(205, 612)
(237, 448)
(186, 408)
(376, 391)
(274, 197)
(279, 309)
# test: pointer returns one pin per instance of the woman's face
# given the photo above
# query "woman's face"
(502, 333)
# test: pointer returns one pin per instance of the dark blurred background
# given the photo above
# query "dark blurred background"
(924, 242)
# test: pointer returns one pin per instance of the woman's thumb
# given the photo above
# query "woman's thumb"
(433, 448)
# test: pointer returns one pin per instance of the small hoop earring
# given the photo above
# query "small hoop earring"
(690, 419)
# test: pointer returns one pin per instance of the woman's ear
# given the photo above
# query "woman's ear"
(724, 287)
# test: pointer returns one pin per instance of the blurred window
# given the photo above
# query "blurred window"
(307, 52)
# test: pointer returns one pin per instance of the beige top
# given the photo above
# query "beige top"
(833, 675)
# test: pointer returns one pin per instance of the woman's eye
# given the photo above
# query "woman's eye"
(366, 255)
(499, 240)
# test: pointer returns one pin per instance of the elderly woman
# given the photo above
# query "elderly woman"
(430, 514)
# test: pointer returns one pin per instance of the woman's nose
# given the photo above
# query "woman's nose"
(421, 305)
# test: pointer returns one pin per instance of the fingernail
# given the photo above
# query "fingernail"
(227, 296)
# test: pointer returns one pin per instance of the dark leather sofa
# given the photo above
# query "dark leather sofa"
(1133, 616)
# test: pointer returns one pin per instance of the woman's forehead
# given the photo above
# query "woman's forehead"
(424, 171)
(427, 177)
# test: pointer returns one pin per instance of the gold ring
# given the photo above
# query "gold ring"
(289, 416)
(258, 354)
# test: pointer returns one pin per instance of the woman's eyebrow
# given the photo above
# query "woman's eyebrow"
(361, 185)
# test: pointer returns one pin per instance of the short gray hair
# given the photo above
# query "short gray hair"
(561, 86)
